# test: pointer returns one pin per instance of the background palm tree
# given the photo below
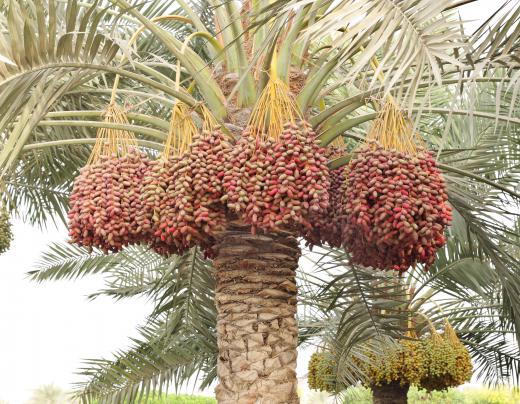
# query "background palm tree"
(462, 93)
(49, 394)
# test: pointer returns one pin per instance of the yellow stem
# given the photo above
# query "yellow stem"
(112, 141)
(206, 35)
(218, 47)
(274, 63)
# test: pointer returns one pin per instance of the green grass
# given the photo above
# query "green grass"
(184, 399)
(499, 396)
(360, 395)
(181, 399)
(364, 396)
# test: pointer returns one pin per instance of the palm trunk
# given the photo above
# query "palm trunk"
(256, 324)
(392, 393)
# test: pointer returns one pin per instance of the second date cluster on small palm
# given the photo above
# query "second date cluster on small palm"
(435, 362)
(387, 208)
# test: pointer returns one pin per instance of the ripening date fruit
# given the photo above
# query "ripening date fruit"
(183, 197)
(326, 224)
(106, 201)
(278, 184)
(396, 209)
(6, 234)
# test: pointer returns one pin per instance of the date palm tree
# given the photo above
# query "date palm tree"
(49, 394)
(237, 315)
(343, 308)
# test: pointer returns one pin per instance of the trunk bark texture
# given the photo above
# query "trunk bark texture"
(392, 393)
(256, 325)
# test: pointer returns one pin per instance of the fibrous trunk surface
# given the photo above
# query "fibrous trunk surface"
(257, 330)
(392, 393)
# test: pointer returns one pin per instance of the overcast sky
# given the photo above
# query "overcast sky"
(47, 329)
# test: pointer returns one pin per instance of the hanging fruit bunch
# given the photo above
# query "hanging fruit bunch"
(326, 223)
(161, 219)
(448, 360)
(155, 183)
(6, 235)
(396, 201)
(435, 362)
(402, 362)
(207, 158)
(322, 372)
(105, 201)
(183, 190)
(277, 176)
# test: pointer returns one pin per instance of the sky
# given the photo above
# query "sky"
(46, 330)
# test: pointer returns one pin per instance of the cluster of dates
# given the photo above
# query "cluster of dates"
(6, 234)
(156, 183)
(434, 362)
(183, 195)
(322, 372)
(388, 209)
(105, 202)
(184, 201)
(396, 209)
(278, 184)
(327, 223)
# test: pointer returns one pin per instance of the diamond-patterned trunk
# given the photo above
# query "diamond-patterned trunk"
(257, 330)
(392, 393)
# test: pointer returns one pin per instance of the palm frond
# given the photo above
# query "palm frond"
(55, 51)
(68, 261)
(179, 340)
(479, 317)
(164, 354)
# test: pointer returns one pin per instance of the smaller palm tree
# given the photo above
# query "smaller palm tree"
(49, 394)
